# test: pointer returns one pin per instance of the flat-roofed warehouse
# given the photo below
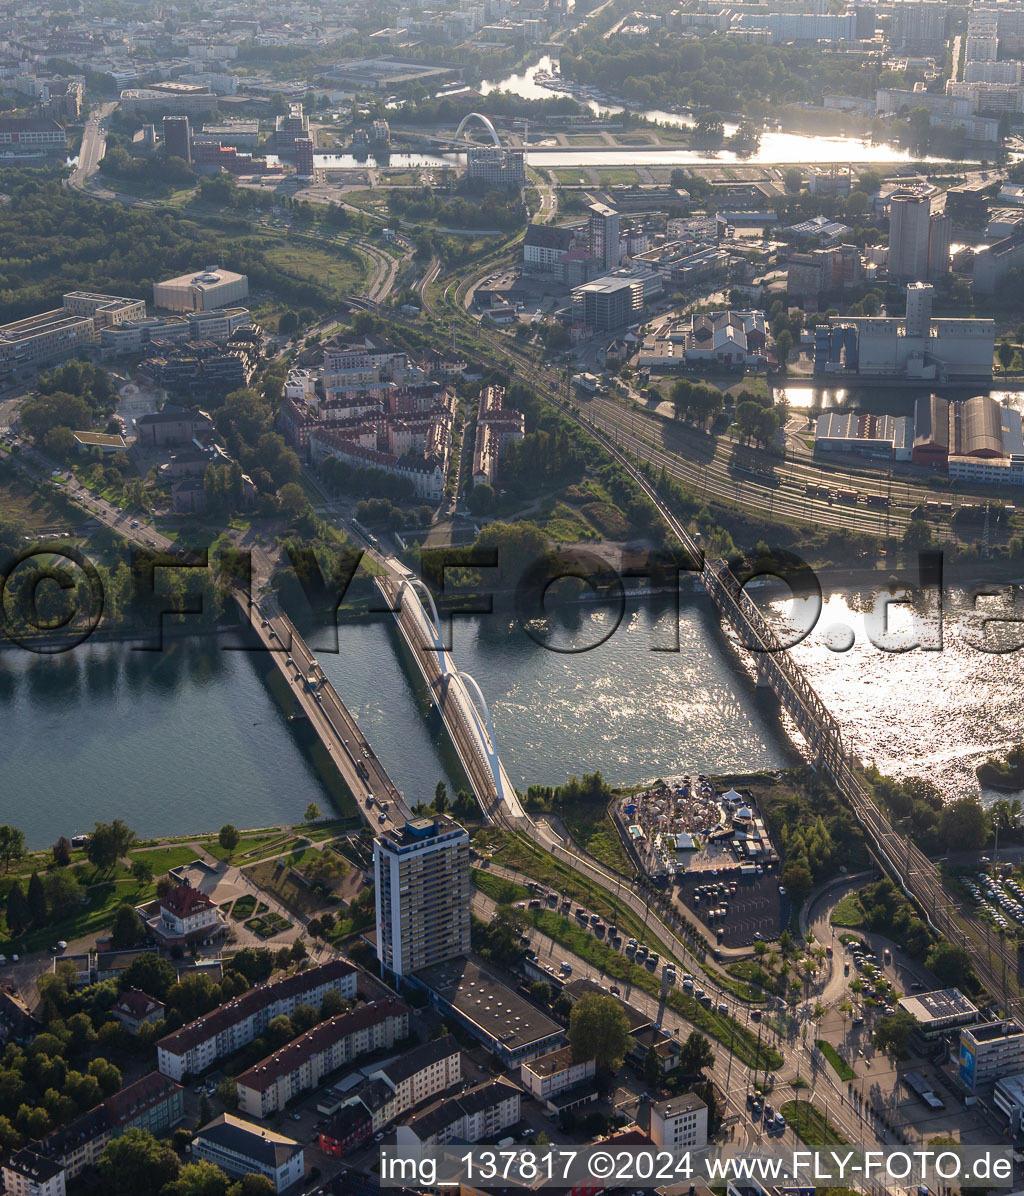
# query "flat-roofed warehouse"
(939, 1011)
(202, 291)
(503, 1021)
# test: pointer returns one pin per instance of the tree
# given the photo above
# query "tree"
(963, 824)
(12, 846)
(652, 1068)
(198, 1179)
(1004, 351)
(797, 880)
(917, 536)
(793, 180)
(951, 964)
(127, 929)
(440, 797)
(142, 871)
(18, 913)
(598, 1030)
(228, 1093)
(108, 843)
(151, 974)
(62, 852)
(37, 900)
(252, 1185)
(312, 812)
(292, 499)
(228, 838)
(480, 499)
(696, 1054)
(783, 347)
(136, 1162)
(893, 1033)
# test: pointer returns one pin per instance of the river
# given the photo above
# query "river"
(776, 147)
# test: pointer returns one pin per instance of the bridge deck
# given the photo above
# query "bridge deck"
(329, 717)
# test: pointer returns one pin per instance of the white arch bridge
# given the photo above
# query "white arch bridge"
(455, 694)
(457, 141)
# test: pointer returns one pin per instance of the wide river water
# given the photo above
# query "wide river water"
(188, 739)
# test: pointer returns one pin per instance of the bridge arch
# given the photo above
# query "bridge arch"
(488, 740)
(484, 120)
(419, 591)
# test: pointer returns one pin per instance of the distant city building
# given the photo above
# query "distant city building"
(938, 1013)
(909, 224)
(558, 1082)
(497, 427)
(240, 1149)
(421, 878)
(304, 157)
(916, 347)
(211, 288)
(544, 248)
(918, 27)
(178, 138)
(496, 166)
(500, 1019)
(289, 126)
(608, 303)
(59, 334)
(603, 228)
(30, 134)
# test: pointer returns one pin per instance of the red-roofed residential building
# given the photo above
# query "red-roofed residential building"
(187, 913)
(135, 1008)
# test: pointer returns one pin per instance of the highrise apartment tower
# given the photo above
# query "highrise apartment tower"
(421, 871)
(604, 235)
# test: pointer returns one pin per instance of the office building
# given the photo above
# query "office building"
(304, 157)
(289, 126)
(421, 874)
(243, 1149)
(989, 1051)
(608, 302)
(178, 138)
(498, 167)
(197, 101)
(938, 1013)
(603, 227)
(1008, 1096)
(680, 1123)
(909, 224)
(45, 337)
(199, 1044)
(242, 134)
(107, 311)
(211, 288)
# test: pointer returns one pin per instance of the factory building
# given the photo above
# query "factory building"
(977, 430)
(888, 437)
(886, 348)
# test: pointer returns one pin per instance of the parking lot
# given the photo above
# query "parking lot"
(756, 909)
